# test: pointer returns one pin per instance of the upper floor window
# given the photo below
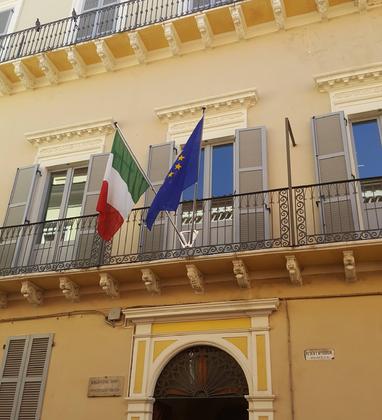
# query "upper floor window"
(101, 19)
(368, 147)
(5, 18)
(65, 193)
(215, 173)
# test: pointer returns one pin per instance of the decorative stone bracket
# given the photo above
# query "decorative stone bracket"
(196, 278)
(241, 273)
(109, 285)
(349, 266)
(294, 270)
(69, 289)
(32, 293)
(150, 280)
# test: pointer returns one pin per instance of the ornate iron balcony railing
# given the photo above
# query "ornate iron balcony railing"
(120, 17)
(321, 213)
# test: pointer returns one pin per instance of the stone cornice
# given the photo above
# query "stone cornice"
(68, 133)
(328, 82)
(244, 98)
(220, 309)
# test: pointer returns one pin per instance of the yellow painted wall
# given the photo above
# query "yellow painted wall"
(33, 9)
(84, 346)
(281, 66)
(346, 387)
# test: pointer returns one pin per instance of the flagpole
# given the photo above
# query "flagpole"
(148, 181)
(191, 240)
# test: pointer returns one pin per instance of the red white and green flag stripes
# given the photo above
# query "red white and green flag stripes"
(122, 186)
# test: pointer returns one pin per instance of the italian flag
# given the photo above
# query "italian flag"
(122, 186)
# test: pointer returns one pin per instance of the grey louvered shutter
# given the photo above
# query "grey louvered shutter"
(34, 377)
(11, 374)
(17, 214)
(96, 172)
(21, 196)
(23, 376)
(5, 17)
(251, 213)
(87, 243)
(161, 157)
(337, 200)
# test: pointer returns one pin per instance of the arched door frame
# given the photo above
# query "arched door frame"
(161, 333)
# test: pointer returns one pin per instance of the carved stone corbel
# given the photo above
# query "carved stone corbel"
(204, 29)
(196, 278)
(279, 13)
(172, 37)
(32, 293)
(349, 266)
(322, 8)
(150, 280)
(238, 21)
(105, 54)
(294, 270)
(22, 72)
(241, 273)
(5, 85)
(109, 285)
(48, 68)
(76, 61)
(69, 289)
(138, 46)
(3, 300)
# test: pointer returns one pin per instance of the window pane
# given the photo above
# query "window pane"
(222, 170)
(368, 148)
(76, 193)
(56, 192)
(188, 194)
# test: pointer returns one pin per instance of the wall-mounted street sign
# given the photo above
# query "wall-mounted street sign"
(319, 354)
(105, 386)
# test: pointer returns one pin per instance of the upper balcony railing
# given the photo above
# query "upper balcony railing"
(320, 213)
(121, 17)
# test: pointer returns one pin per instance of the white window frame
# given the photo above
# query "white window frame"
(357, 92)
(16, 5)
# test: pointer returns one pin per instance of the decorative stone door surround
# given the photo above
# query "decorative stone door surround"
(239, 328)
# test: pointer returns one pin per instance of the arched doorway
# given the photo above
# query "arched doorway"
(201, 383)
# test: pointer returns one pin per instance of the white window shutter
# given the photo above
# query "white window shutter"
(34, 377)
(337, 202)
(251, 213)
(21, 196)
(161, 157)
(11, 374)
(96, 172)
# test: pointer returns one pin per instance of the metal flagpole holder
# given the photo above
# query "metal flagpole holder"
(193, 233)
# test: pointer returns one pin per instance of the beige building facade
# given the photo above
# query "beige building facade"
(274, 313)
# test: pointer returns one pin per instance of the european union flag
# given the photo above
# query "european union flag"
(183, 173)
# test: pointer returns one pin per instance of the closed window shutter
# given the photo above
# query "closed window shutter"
(21, 196)
(337, 201)
(161, 157)
(5, 17)
(23, 376)
(11, 372)
(34, 378)
(88, 244)
(250, 211)
(96, 172)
